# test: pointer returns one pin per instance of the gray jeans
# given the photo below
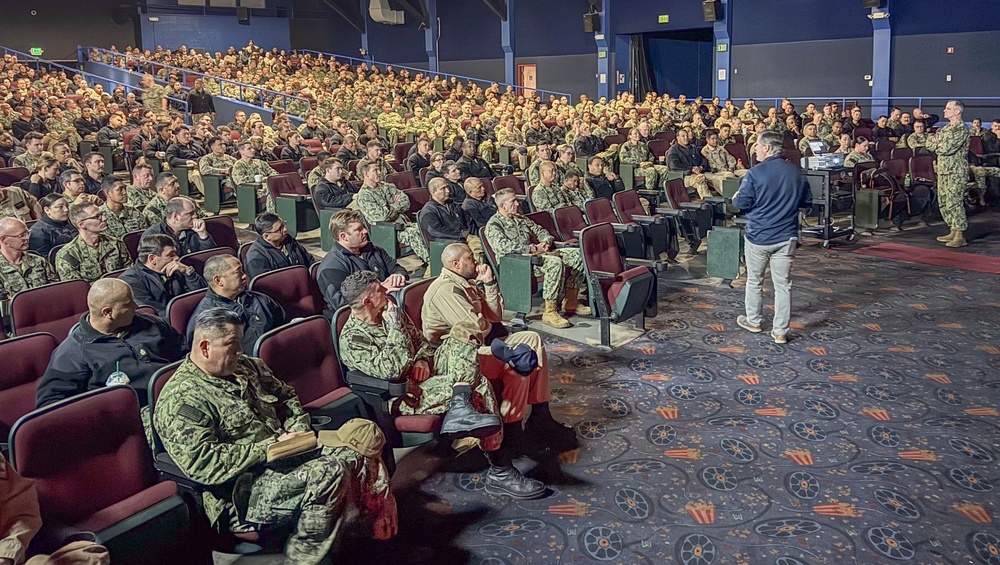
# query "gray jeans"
(779, 258)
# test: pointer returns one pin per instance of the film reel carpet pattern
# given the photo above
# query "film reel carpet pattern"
(872, 437)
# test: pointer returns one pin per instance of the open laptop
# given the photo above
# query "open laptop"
(818, 146)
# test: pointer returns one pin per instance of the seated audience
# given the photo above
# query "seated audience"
(274, 249)
(157, 276)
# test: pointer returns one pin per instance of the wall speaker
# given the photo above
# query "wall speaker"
(873, 3)
(592, 23)
(712, 9)
(243, 15)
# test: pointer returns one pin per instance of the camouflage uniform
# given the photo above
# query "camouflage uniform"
(315, 177)
(982, 173)
(152, 98)
(416, 126)
(17, 203)
(636, 154)
(951, 145)
(33, 271)
(722, 165)
(237, 416)
(129, 220)
(853, 158)
(212, 164)
(551, 198)
(384, 168)
(388, 352)
(393, 124)
(513, 235)
(77, 260)
(156, 209)
(386, 203)
(916, 140)
(243, 173)
(26, 160)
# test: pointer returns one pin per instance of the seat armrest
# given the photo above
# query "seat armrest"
(394, 225)
(648, 193)
(374, 385)
(567, 244)
(625, 228)
(171, 471)
(658, 266)
(669, 212)
(602, 274)
(521, 197)
(641, 219)
(715, 200)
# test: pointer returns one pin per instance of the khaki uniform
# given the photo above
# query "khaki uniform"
(723, 166)
(853, 158)
(452, 299)
(26, 160)
(128, 220)
(32, 272)
(77, 260)
(244, 173)
(238, 417)
(17, 203)
(386, 203)
(513, 235)
(213, 164)
(951, 145)
(152, 98)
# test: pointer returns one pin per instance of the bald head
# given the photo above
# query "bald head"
(105, 293)
(11, 226)
(454, 252)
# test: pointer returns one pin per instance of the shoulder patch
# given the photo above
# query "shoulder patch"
(459, 291)
(192, 414)
(360, 339)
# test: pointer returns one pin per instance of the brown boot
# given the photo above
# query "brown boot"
(551, 316)
(959, 240)
(571, 305)
(947, 238)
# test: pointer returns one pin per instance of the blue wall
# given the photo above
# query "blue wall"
(640, 16)
(546, 29)
(213, 33)
(396, 44)
(458, 42)
(919, 17)
(682, 66)
(778, 21)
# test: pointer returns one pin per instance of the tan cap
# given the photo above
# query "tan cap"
(358, 434)
(465, 331)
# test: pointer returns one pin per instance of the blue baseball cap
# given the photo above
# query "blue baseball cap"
(521, 357)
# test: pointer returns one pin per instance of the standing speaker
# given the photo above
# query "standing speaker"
(873, 3)
(243, 15)
(712, 9)
(592, 23)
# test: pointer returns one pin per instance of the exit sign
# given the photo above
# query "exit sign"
(663, 19)
(723, 47)
(36, 51)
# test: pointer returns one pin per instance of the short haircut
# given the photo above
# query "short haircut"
(503, 196)
(710, 132)
(547, 165)
(356, 287)
(78, 212)
(213, 139)
(772, 139)
(367, 167)
(31, 136)
(109, 183)
(179, 129)
(154, 244)
(436, 183)
(330, 162)
(264, 221)
(340, 221)
(447, 167)
(471, 182)
(958, 104)
(68, 175)
(373, 143)
(570, 174)
(140, 167)
(595, 158)
(163, 179)
(177, 205)
(49, 199)
(216, 266)
(215, 323)
(91, 156)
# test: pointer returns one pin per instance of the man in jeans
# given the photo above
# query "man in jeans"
(770, 195)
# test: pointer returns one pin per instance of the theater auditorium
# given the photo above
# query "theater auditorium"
(498, 282)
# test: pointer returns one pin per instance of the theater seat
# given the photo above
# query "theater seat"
(693, 219)
(182, 307)
(54, 308)
(293, 289)
(658, 230)
(618, 292)
(376, 393)
(630, 237)
(516, 277)
(198, 260)
(569, 221)
(94, 472)
(24, 361)
(223, 231)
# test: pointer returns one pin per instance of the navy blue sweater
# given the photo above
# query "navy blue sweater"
(771, 194)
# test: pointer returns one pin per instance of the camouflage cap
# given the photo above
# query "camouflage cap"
(358, 434)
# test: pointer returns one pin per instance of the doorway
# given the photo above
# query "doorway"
(527, 79)
(682, 62)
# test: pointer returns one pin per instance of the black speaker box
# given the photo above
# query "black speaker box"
(873, 3)
(712, 9)
(243, 15)
(592, 23)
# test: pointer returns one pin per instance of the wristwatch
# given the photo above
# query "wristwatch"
(490, 283)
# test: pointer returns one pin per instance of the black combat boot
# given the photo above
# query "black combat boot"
(503, 479)
(462, 419)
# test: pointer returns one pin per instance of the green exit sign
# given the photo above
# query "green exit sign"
(36, 51)
(723, 47)
(663, 19)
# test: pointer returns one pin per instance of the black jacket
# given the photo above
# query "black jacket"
(346, 155)
(178, 155)
(108, 133)
(339, 263)
(200, 102)
(187, 242)
(86, 359)
(42, 188)
(588, 146)
(47, 233)
(262, 257)
(93, 186)
(602, 187)
(337, 196)
(156, 145)
(445, 222)
(260, 314)
(135, 145)
(154, 290)
(474, 167)
(86, 127)
(480, 211)
(287, 153)
(415, 162)
(681, 158)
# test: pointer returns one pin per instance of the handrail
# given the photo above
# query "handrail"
(90, 77)
(86, 54)
(843, 99)
(370, 62)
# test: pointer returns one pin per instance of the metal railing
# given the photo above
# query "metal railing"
(241, 92)
(90, 78)
(354, 61)
(905, 103)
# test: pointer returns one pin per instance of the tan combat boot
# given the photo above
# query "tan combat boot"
(551, 316)
(959, 240)
(947, 238)
(572, 306)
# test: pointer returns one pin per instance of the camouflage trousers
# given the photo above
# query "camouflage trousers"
(314, 494)
(981, 174)
(410, 236)
(392, 136)
(553, 269)
(951, 201)
(487, 150)
(699, 183)
(518, 391)
(654, 175)
(715, 179)
(264, 198)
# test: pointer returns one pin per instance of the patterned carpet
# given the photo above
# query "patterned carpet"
(870, 438)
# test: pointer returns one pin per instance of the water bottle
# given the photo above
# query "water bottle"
(906, 180)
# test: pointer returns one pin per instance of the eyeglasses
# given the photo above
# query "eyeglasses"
(97, 216)
(74, 180)
(280, 229)
(23, 235)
